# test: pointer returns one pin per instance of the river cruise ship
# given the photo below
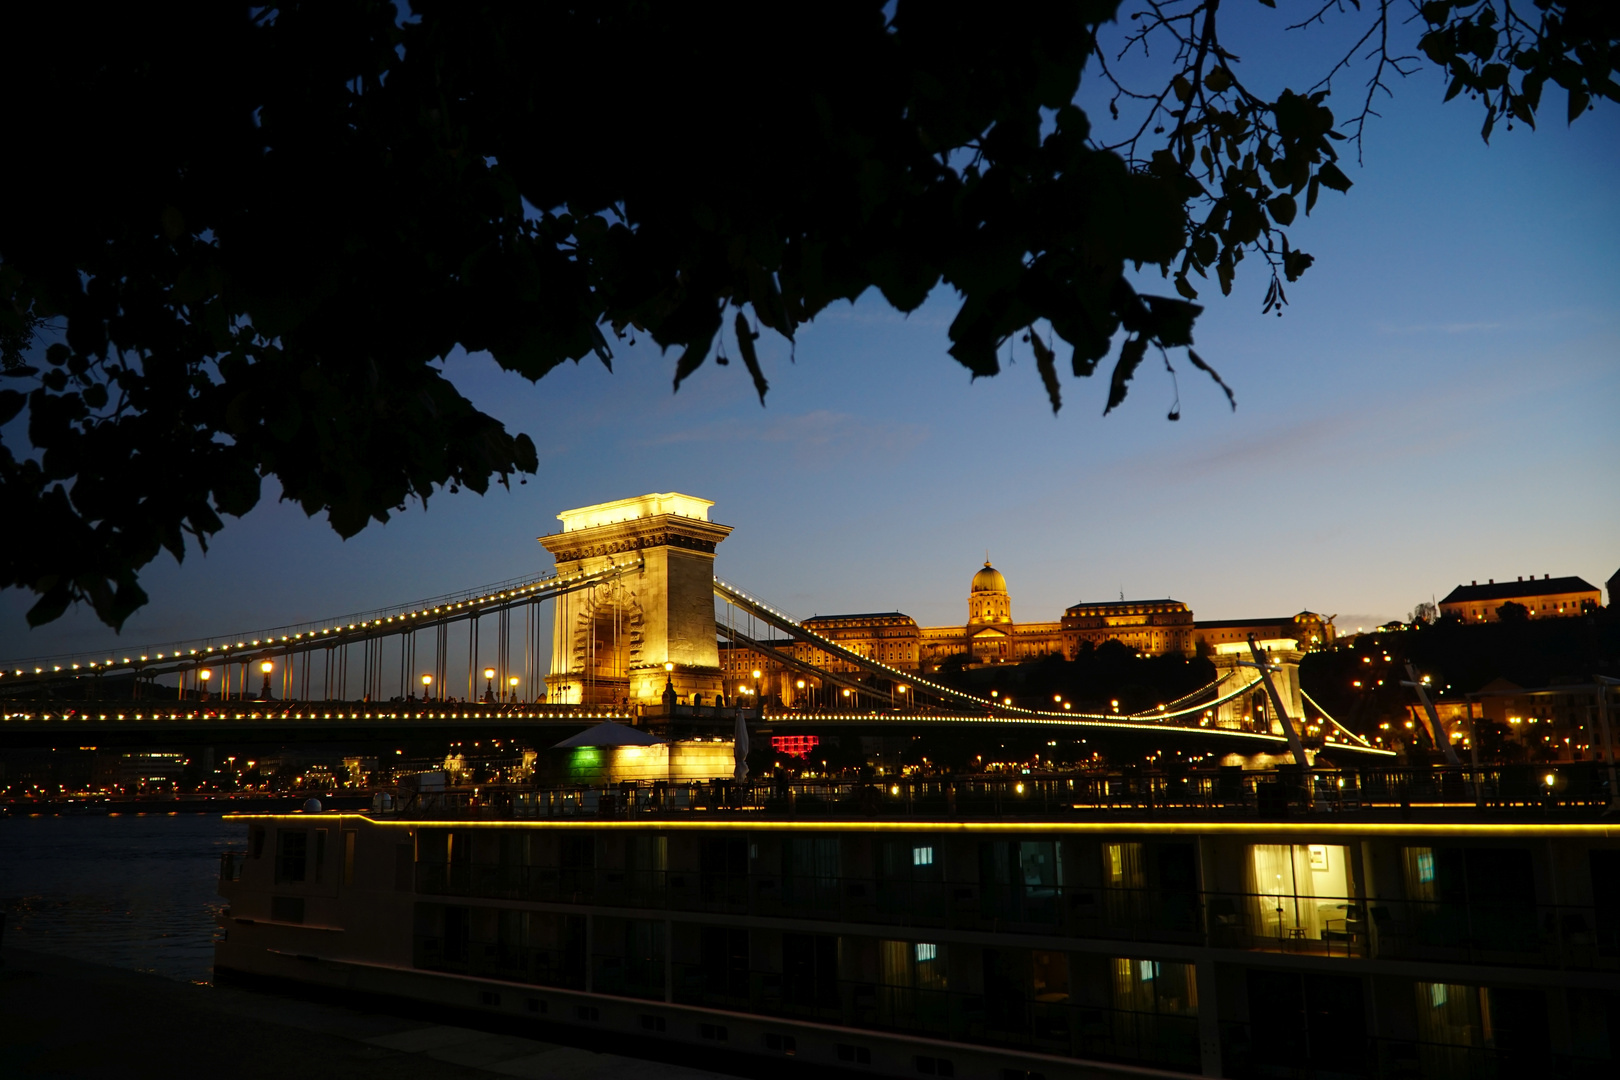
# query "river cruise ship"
(1418, 924)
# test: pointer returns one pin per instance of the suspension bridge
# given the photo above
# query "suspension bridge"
(635, 637)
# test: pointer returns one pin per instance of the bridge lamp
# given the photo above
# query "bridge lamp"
(513, 681)
(489, 684)
(205, 675)
(265, 668)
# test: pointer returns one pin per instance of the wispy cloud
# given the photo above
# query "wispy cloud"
(1288, 443)
(1441, 328)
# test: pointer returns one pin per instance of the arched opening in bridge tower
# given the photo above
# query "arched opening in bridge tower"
(607, 639)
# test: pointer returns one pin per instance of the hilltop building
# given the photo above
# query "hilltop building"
(1546, 597)
(991, 636)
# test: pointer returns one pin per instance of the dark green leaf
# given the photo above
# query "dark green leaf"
(1578, 100)
(524, 455)
(1331, 177)
(1435, 11)
(1046, 364)
(1130, 358)
(1212, 373)
(745, 345)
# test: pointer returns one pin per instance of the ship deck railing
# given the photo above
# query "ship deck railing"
(1566, 791)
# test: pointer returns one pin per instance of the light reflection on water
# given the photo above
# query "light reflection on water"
(132, 891)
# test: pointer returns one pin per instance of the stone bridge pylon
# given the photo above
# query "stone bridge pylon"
(610, 642)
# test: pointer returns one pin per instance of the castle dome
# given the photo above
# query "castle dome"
(989, 580)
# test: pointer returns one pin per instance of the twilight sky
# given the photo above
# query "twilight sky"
(1439, 403)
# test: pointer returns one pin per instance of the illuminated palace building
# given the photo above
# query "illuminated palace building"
(990, 636)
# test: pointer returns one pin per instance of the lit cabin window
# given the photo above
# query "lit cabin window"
(922, 856)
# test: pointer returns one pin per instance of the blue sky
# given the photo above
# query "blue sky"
(1438, 404)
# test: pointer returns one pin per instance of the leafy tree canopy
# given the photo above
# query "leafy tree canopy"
(248, 235)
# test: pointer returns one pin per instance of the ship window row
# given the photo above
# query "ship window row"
(1120, 1007)
(1075, 1004)
(300, 857)
(1477, 903)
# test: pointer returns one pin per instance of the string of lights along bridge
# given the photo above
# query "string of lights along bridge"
(637, 621)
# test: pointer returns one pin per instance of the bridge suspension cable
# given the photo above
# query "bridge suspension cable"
(1329, 718)
(1162, 716)
(799, 632)
(436, 613)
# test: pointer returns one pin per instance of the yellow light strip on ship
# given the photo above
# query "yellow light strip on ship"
(1175, 828)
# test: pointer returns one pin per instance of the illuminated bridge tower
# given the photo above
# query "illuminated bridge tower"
(1254, 706)
(610, 642)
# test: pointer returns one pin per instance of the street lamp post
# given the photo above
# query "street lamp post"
(204, 675)
(427, 686)
(265, 669)
(512, 681)
(489, 684)
(757, 705)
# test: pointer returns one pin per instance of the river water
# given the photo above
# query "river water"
(130, 890)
